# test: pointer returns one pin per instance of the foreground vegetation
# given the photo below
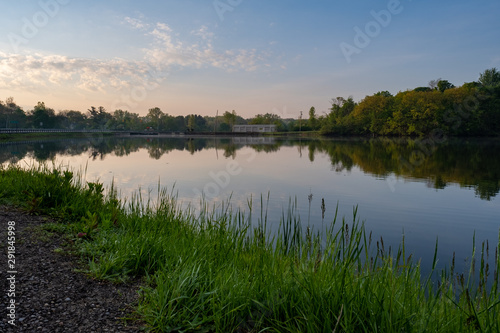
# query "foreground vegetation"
(213, 271)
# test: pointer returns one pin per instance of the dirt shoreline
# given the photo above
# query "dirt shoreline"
(50, 296)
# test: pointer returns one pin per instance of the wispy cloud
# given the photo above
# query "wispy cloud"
(168, 49)
(135, 23)
(39, 72)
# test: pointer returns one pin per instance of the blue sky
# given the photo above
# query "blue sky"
(193, 56)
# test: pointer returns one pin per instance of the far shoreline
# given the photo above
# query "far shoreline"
(37, 136)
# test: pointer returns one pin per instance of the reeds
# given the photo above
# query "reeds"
(217, 271)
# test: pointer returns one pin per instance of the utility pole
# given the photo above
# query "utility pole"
(215, 123)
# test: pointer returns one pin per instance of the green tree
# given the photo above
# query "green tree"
(191, 122)
(489, 110)
(12, 115)
(313, 120)
(98, 117)
(336, 106)
(71, 119)
(340, 120)
(417, 113)
(372, 113)
(433, 84)
(443, 85)
(43, 117)
(230, 118)
(224, 127)
(422, 89)
(179, 124)
(268, 119)
(462, 115)
(471, 85)
(155, 116)
(490, 78)
(384, 93)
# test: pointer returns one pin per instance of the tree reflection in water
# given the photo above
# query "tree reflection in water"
(470, 163)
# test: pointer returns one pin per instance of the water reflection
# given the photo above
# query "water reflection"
(468, 163)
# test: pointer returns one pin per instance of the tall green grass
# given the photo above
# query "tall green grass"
(212, 270)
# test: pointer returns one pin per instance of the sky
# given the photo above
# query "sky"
(251, 56)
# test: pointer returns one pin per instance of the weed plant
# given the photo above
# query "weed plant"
(213, 271)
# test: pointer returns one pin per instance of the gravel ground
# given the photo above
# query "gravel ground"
(50, 296)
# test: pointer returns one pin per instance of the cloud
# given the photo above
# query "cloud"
(40, 72)
(168, 49)
(203, 33)
(45, 72)
(135, 23)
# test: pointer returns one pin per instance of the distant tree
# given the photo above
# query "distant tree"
(98, 117)
(170, 123)
(348, 107)
(444, 85)
(339, 121)
(417, 113)
(191, 122)
(422, 89)
(224, 127)
(43, 117)
(200, 123)
(384, 93)
(313, 120)
(434, 83)
(230, 118)
(463, 112)
(342, 107)
(490, 78)
(125, 120)
(9, 102)
(371, 114)
(155, 116)
(337, 104)
(73, 119)
(12, 115)
(179, 124)
(264, 119)
(268, 119)
(471, 85)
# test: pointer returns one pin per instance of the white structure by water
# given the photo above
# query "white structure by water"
(254, 128)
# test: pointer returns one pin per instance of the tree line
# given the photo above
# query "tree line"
(440, 108)
(41, 116)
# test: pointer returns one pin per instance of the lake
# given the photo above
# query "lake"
(428, 190)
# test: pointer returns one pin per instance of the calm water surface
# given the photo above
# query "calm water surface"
(428, 191)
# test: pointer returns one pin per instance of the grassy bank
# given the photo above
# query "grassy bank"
(213, 272)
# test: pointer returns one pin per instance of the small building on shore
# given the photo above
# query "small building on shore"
(254, 128)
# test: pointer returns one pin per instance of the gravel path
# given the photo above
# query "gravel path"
(49, 295)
